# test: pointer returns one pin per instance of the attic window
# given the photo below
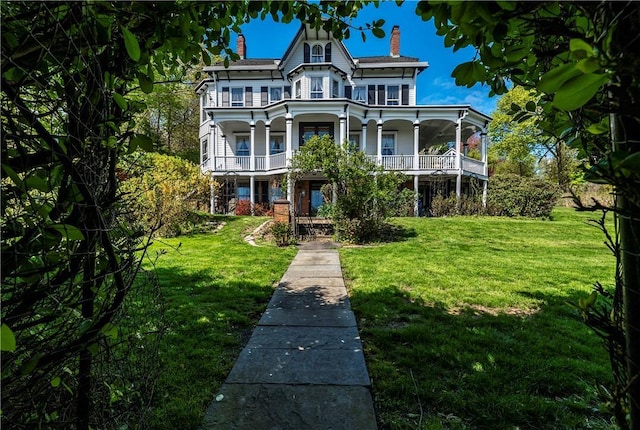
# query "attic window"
(317, 54)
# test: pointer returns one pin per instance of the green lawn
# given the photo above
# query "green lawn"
(465, 323)
(464, 320)
(215, 287)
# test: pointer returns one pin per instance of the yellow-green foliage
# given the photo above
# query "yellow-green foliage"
(164, 191)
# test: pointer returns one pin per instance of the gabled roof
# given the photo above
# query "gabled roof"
(303, 31)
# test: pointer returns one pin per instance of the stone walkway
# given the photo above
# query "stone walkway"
(303, 367)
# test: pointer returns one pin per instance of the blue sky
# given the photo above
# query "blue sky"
(268, 39)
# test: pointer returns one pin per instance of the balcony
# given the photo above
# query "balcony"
(405, 163)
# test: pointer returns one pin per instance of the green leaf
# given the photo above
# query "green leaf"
(378, 32)
(601, 127)
(120, 101)
(463, 73)
(13, 175)
(531, 106)
(580, 46)
(55, 382)
(146, 84)
(141, 141)
(551, 81)
(68, 231)
(577, 91)
(131, 44)
(588, 65)
(110, 331)
(7, 339)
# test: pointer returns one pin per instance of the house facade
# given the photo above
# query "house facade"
(256, 113)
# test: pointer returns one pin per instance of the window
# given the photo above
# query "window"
(360, 94)
(307, 130)
(317, 92)
(276, 94)
(237, 96)
(298, 87)
(317, 54)
(244, 192)
(205, 150)
(354, 141)
(242, 146)
(393, 95)
(335, 89)
(388, 144)
(276, 144)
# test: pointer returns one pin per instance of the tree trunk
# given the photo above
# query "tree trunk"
(628, 217)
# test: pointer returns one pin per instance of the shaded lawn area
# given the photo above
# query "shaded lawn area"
(215, 288)
(465, 323)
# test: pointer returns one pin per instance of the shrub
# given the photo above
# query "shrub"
(443, 206)
(162, 191)
(243, 207)
(513, 195)
(282, 233)
(262, 209)
(326, 210)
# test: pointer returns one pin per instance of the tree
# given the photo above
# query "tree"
(580, 59)
(366, 195)
(514, 143)
(71, 249)
(171, 114)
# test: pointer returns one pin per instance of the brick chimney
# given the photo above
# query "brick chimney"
(395, 41)
(241, 47)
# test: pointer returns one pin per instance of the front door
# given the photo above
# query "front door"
(317, 199)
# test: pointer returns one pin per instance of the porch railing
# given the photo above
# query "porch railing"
(389, 162)
(472, 165)
(278, 161)
(437, 162)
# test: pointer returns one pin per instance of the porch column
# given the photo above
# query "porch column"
(364, 138)
(224, 152)
(252, 192)
(252, 143)
(484, 193)
(267, 136)
(416, 198)
(483, 146)
(211, 150)
(458, 157)
(416, 142)
(343, 131)
(212, 196)
(290, 195)
(379, 149)
(289, 138)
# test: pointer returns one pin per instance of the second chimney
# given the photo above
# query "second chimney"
(241, 47)
(395, 41)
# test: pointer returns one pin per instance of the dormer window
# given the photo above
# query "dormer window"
(317, 54)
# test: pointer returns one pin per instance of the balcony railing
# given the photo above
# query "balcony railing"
(437, 162)
(389, 162)
(472, 165)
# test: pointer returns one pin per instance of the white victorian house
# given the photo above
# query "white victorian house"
(256, 113)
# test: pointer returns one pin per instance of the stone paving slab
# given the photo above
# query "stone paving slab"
(295, 283)
(335, 298)
(316, 257)
(308, 318)
(305, 337)
(288, 366)
(289, 407)
(312, 271)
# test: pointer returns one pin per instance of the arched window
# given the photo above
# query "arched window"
(317, 54)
